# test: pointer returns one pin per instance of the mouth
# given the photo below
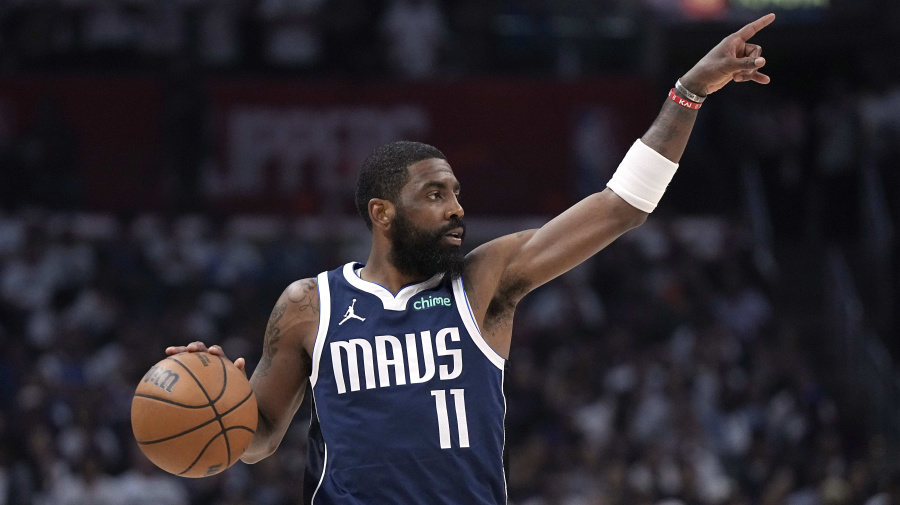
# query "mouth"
(455, 236)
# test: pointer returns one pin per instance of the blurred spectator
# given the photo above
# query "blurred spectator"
(111, 32)
(293, 38)
(87, 485)
(741, 308)
(415, 32)
(219, 41)
(144, 484)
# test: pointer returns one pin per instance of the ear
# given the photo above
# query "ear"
(381, 212)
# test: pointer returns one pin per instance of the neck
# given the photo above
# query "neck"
(380, 271)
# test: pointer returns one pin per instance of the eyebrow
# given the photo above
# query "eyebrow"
(439, 185)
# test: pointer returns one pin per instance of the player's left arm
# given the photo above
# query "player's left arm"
(516, 264)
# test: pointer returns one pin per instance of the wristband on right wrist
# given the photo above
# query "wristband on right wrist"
(684, 102)
(689, 94)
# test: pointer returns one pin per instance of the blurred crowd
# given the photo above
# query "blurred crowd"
(408, 39)
(353, 38)
(658, 372)
(661, 372)
(811, 151)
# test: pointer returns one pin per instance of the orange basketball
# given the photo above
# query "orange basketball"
(194, 414)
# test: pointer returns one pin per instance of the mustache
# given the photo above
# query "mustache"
(455, 222)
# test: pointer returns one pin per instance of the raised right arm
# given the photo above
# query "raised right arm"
(280, 379)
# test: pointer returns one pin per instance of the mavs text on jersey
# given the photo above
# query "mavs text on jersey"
(408, 404)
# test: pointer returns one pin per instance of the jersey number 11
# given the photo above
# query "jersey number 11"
(440, 402)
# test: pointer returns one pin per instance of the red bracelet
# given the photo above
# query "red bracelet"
(684, 102)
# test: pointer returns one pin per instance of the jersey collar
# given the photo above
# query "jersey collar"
(388, 300)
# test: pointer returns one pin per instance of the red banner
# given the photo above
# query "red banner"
(115, 126)
(516, 146)
(290, 147)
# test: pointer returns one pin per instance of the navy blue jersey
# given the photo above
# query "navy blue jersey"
(408, 404)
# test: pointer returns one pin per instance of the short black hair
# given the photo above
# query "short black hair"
(385, 172)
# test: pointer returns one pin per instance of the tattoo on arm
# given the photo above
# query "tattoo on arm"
(273, 334)
(309, 298)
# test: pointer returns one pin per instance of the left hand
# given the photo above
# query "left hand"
(733, 59)
(198, 346)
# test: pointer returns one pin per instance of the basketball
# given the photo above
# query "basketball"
(194, 414)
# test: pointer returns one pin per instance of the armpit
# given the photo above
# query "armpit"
(503, 306)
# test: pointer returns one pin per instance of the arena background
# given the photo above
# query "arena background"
(167, 167)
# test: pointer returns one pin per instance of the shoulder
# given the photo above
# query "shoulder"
(295, 317)
(297, 309)
(487, 277)
(489, 262)
(303, 288)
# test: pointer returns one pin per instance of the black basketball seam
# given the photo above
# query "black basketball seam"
(195, 428)
(217, 435)
(241, 427)
(232, 409)
(218, 417)
(222, 393)
(172, 402)
(224, 382)
(205, 447)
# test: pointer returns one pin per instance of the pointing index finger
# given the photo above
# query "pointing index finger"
(750, 29)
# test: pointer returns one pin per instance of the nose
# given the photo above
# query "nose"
(455, 209)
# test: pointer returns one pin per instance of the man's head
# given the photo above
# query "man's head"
(413, 194)
(386, 171)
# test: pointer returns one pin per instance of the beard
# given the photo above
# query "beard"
(423, 253)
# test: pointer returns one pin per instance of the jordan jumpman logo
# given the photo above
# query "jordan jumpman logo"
(350, 314)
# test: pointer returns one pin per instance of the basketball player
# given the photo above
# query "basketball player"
(405, 354)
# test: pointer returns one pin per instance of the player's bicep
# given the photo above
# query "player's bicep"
(279, 383)
(531, 258)
(280, 379)
(486, 268)
(574, 236)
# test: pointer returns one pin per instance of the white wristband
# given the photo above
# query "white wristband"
(642, 177)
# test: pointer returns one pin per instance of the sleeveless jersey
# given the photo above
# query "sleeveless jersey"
(408, 404)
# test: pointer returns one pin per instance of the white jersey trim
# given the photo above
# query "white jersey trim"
(388, 300)
(324, 318)
(503, 450)
(465, 312)
(312, 499)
